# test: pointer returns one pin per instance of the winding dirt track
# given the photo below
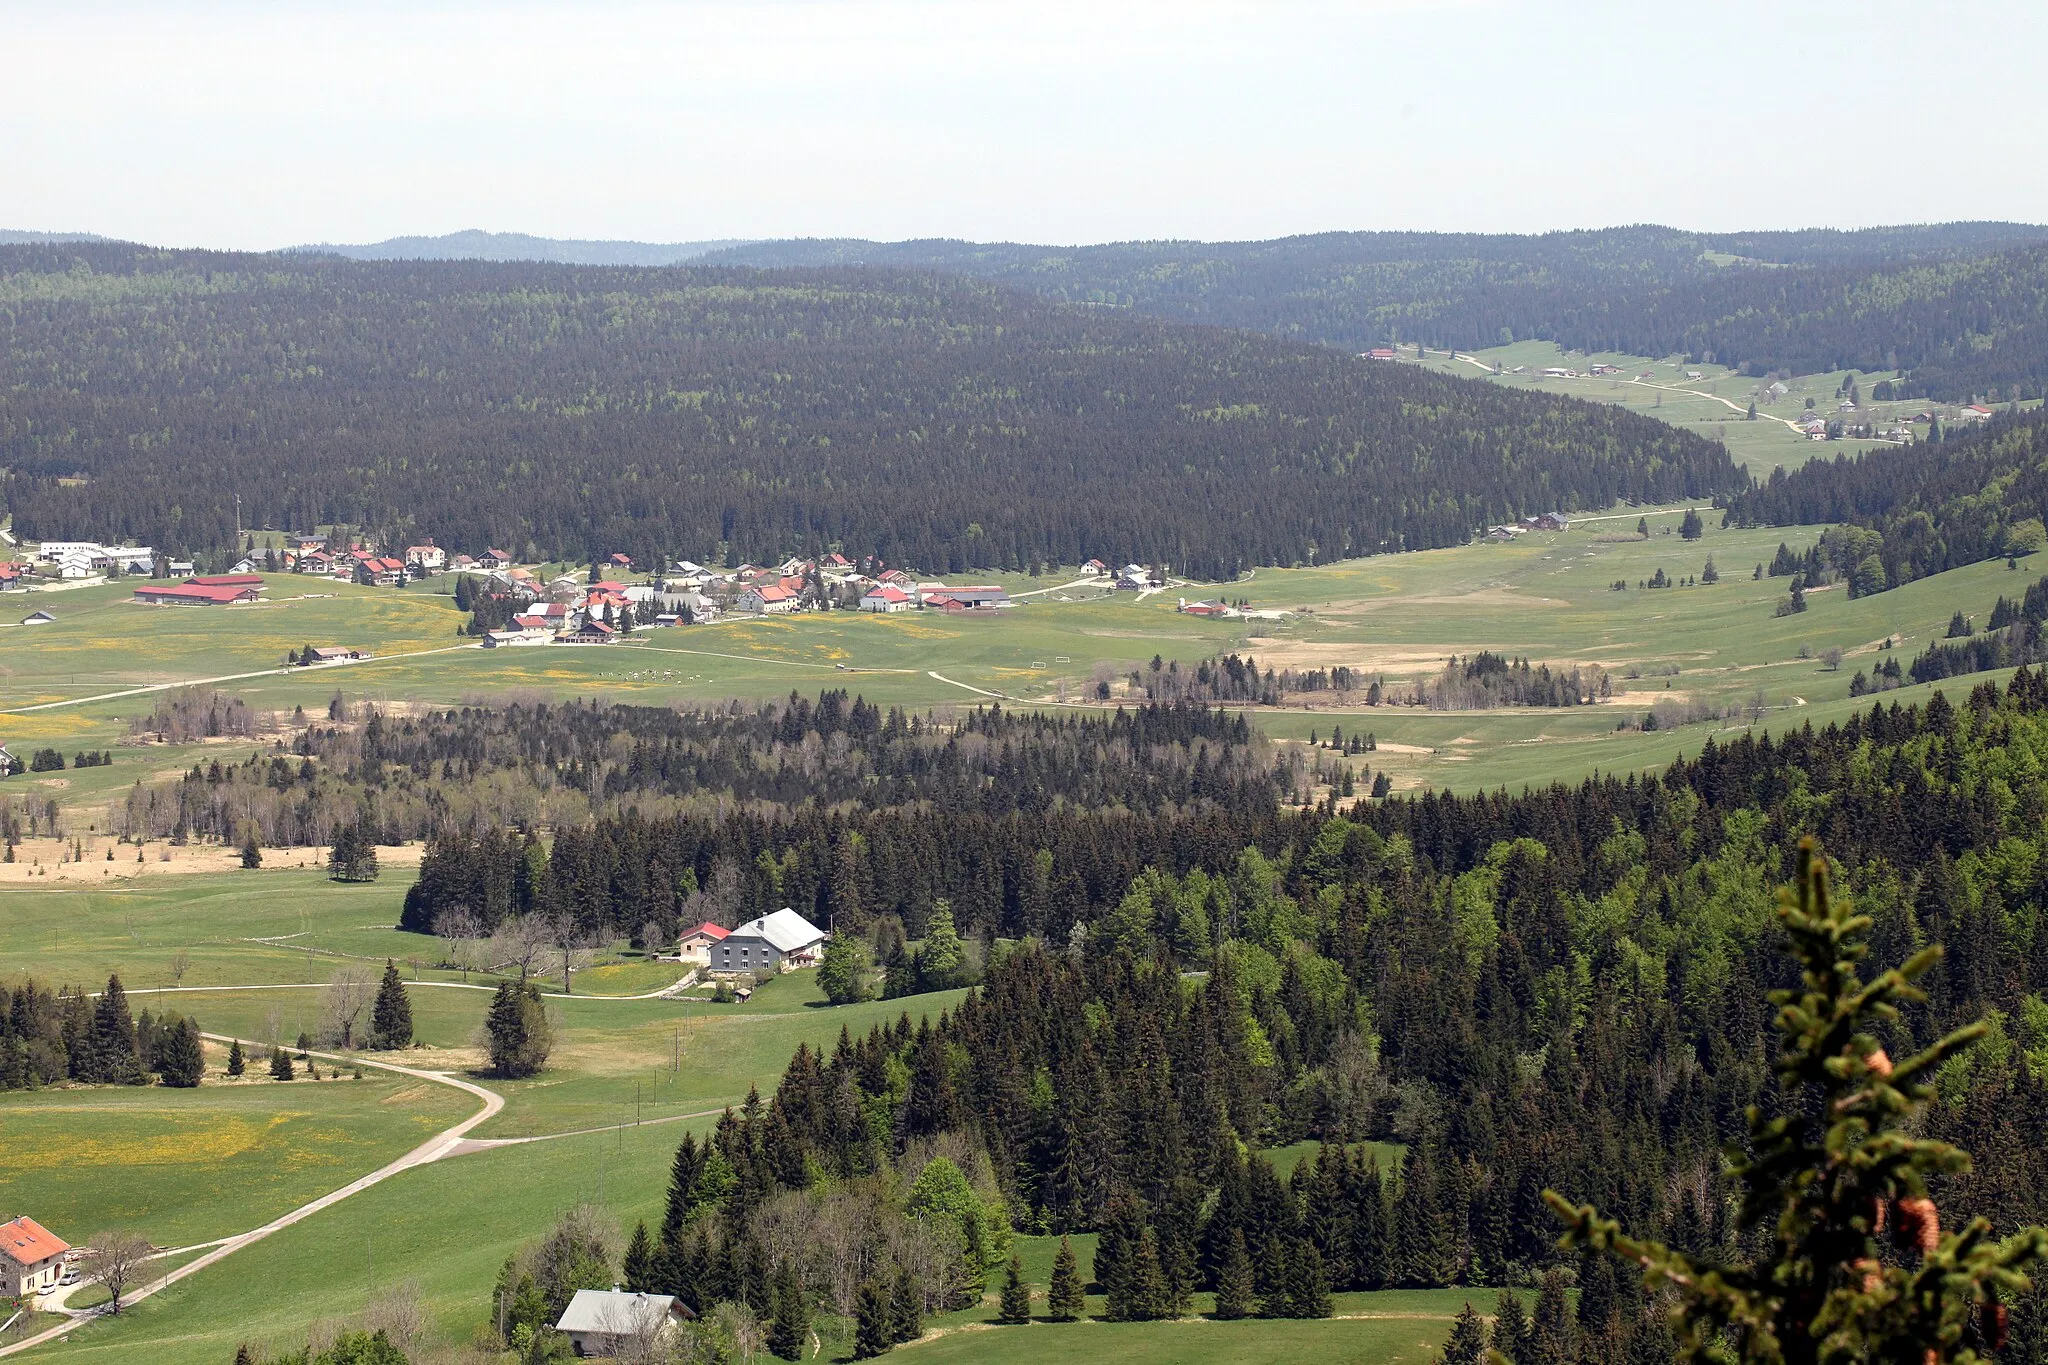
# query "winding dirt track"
(447, 1142)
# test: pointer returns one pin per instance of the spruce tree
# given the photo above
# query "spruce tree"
(1234, 1280)
(874, 1325)
(391, 1015)
(1831, 1172)
(114, 1057)
(1467, 1343)
(1066, 1298)
(180, 1058)
(1510, 1335)
(237, 1062)
(280, 1065)
(1016, 1301)
(639, 1265)
(1309, 1292)
(1277, 1302)
(252, 852)
(906, 1307)
(1151, 1297)
(1553, 1336)
(791, 1314)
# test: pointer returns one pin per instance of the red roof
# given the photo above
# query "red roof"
(711, 931)
(28, 1242)
(217, 595)
(626, 560)
(889, 592)
(227, 580)
(772, 594)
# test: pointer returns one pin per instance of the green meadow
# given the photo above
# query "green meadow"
(185, 1166)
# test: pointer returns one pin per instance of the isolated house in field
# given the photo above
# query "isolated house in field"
(697, 942)
(1094, 568)
(768, 945)
(1549, 521)
(608, 1322)
(31, 1258)
(38, 618)
(196, 594)
(966, 599)
(332, 654)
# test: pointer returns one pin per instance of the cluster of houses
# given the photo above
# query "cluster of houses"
(83, 561)
(1543, 521)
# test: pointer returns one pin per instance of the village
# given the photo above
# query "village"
(515, 604)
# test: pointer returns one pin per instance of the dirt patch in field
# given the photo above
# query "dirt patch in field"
(47, 860)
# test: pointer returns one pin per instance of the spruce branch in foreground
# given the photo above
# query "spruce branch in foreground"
(1830, 1177)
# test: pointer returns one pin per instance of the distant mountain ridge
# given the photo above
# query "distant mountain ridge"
(474, 244)
(23, 237)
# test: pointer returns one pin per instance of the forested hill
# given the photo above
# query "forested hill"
(566, 412)
(1962, 307)
(1965, 499)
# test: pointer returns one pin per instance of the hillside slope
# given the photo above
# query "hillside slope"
(565, 412)
(1962, 307)
(474, 244)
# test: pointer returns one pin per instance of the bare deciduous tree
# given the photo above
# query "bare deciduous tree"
(1831, 658)
(459, 928)
(343, 1001)
(522, 941)
(115, 1260)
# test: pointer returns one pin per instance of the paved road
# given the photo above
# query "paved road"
(442, 1144)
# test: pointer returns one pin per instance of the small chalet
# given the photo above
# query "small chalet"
(314, 561)
(885, 597)
(31, 1258)
(697, 942)
(10, 577)
(770, 944)
(589, 633)
(493, 559)
(1211, 610)
(331, 654)
(1095, 568)
(621, 562)
(609, 1322)
(38, 618)
(521, 634)
(1380, 353)
(837, 561)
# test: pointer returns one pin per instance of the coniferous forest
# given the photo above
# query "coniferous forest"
(1562, 990)
(1966, 498)
(1959, 310)
(570, 412)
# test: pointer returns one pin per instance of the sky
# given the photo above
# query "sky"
(258, 125)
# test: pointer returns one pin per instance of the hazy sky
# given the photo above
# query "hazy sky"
(259, 125)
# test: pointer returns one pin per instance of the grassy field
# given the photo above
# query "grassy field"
(185, 1166)
(1715, 405)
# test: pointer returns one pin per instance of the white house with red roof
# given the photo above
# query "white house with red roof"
(31, 1258)
(698, 940)
(885, 597)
